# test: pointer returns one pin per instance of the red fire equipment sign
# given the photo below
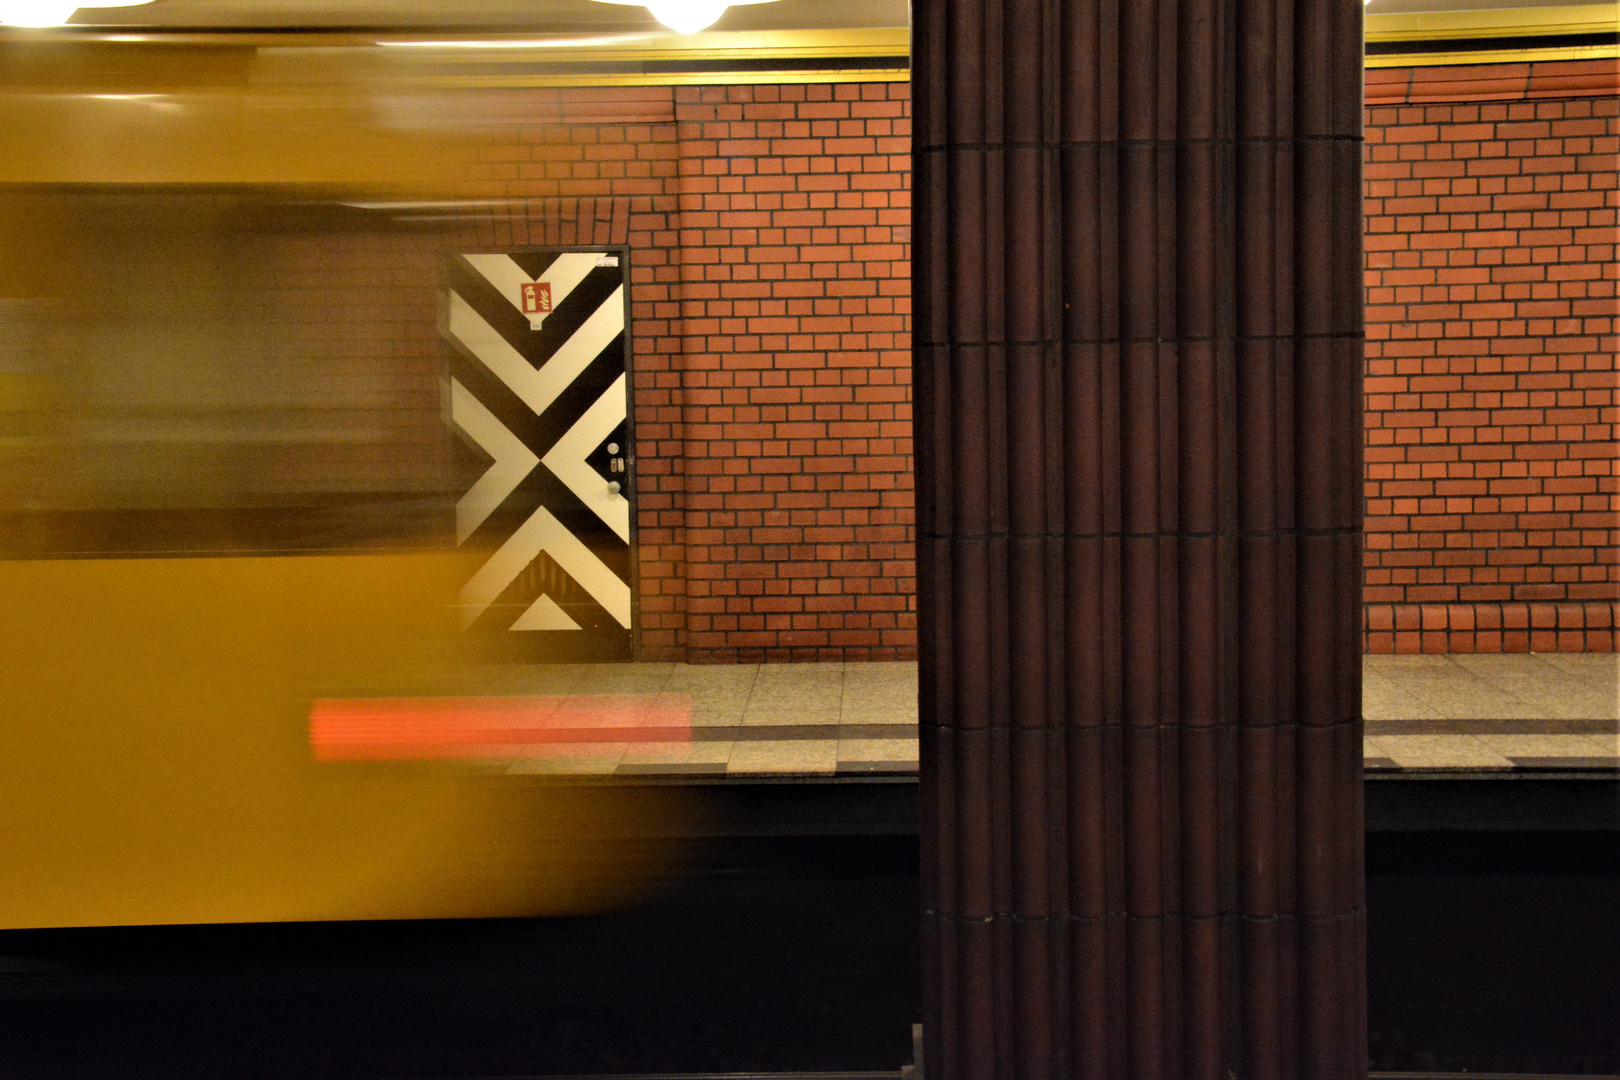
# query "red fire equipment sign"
(537, 298)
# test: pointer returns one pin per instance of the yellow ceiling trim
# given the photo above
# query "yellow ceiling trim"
(1493, 23)
(521, 61)
(732, 45)
(873, 41)
(458, 58)
(457, 63)
(696, 78)
(1494, 56)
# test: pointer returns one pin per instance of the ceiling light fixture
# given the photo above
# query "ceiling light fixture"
(687, 16)
(35, 12)
(41, 13)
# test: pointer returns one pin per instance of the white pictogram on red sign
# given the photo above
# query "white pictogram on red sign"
(537, 298)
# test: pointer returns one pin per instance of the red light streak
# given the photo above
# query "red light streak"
(415, 729)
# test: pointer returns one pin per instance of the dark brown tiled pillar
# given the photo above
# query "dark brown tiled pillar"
(1138, 326)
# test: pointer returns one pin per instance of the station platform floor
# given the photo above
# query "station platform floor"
(1456, 714)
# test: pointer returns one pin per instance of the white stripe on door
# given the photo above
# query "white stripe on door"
(543, 532)
(537, 389)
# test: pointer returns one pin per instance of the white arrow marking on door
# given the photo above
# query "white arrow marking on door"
(566, 272)
(544, 614)
(513, 460)
(538, 389)
(567, 459)
(543, 532)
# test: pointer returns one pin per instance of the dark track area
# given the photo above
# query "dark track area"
(788, 953)
(782, 950)
(1494, 952)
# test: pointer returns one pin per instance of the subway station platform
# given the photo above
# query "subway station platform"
(1491, 713)
(1426, 715)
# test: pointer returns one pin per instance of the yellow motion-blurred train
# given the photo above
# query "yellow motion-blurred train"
(228, 491)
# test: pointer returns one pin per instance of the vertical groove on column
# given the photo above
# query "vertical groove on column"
(1137, 324)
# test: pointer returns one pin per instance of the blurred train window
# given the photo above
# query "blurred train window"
(221, 370)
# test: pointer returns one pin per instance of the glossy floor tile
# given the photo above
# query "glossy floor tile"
(1473, 714)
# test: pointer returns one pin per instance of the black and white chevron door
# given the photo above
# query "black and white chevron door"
(538, 384)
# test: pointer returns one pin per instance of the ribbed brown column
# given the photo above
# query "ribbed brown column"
(1138, 402)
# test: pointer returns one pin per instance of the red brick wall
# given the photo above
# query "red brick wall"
(792, 316)
(1491, 487)
(769, 229)
(769, 286)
